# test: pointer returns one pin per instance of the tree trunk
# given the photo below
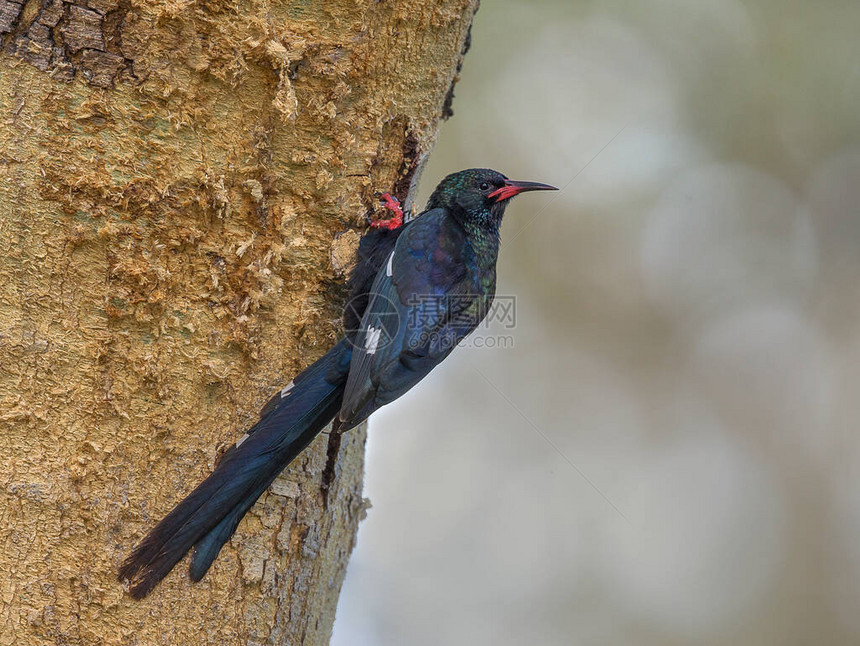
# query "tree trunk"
(182, 186)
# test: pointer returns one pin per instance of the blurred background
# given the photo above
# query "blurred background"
(669, 453)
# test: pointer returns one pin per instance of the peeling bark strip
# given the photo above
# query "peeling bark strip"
(83, 30)
(173, 226)
(9, 12)
(51, 13)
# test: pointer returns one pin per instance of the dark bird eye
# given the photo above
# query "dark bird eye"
(484, 186)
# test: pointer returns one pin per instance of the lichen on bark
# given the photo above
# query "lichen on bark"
(180, 183)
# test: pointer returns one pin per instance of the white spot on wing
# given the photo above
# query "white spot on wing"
(372, 340)
(242, 439)
(286, 390)
(388, 267)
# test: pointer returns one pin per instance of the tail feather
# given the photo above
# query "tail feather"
(208, 547)
(209, 515)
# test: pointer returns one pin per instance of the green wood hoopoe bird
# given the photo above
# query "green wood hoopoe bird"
(417, 290)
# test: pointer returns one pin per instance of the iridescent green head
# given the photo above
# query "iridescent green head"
(478, 196)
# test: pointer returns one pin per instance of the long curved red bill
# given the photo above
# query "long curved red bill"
(514, 187)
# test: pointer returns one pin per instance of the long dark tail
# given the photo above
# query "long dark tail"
(209, 515)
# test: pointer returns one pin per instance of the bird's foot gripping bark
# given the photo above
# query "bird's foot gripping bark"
(394, 222)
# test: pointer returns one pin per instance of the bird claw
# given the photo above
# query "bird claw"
(392, 204)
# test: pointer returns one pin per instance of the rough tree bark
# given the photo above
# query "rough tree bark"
(182, 183)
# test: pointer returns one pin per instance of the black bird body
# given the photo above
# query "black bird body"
(416, 291)
(432, 292)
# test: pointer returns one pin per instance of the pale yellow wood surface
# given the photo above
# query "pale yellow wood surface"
(174, 179)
